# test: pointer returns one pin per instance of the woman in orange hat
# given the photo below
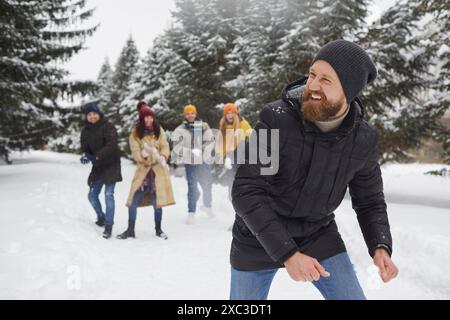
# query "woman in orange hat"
(234, 129)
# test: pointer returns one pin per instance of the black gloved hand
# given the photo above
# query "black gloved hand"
(84, 159)
(91, 157)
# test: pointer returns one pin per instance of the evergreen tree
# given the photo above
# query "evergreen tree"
(399, 102)
(105, 85)
(34, 37)
(330, 20)
(439, 94)
(263, 26)
(247, 51)
(126, 67)
(187, 64)
(153, 83)
(205, 35)
(280, 38)
(256, 48)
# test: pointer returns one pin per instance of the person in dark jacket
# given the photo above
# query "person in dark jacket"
(99, 147)
(287, 219)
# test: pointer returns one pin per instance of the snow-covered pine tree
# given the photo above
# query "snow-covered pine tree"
(439, 95)
(300, 42)
(105, 84)
(262, 26)
(279, 40)
(330, 20)
(246, 51)
(35, 36)
(69, 139)
(186, 65)
(313, 24)
(153, 83)
(203, 35)
(126, 66)
(405, 46)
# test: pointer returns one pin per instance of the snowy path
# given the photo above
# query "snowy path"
(50, 248)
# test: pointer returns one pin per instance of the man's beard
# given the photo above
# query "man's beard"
(315, 110)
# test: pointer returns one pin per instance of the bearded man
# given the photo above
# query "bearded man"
(286, 220)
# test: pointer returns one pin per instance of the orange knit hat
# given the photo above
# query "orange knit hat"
(190, 108)
(228, 107)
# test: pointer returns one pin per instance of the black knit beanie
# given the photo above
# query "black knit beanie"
(91, 107)
(352, 64)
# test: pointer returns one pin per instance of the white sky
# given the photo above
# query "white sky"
(144, 19)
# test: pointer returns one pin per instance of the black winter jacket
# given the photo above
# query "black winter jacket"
(100, 139)
(292, 210)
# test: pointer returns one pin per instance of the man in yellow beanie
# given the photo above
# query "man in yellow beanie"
(190, 110)
(193, 141)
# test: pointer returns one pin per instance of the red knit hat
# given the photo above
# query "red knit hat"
(228, 107)
(145, 110)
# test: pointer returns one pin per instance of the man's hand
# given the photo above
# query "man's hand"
(84, 159)
(304, 268)
(87, 157)
(386, 267)
(91, 157)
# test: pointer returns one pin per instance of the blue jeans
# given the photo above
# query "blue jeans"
(132, 210)
(341, 285)
(198, 174)
(94, 192)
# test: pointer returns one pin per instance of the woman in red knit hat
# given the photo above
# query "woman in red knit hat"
(151, 182)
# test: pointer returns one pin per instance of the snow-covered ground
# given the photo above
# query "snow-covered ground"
(50, 247)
